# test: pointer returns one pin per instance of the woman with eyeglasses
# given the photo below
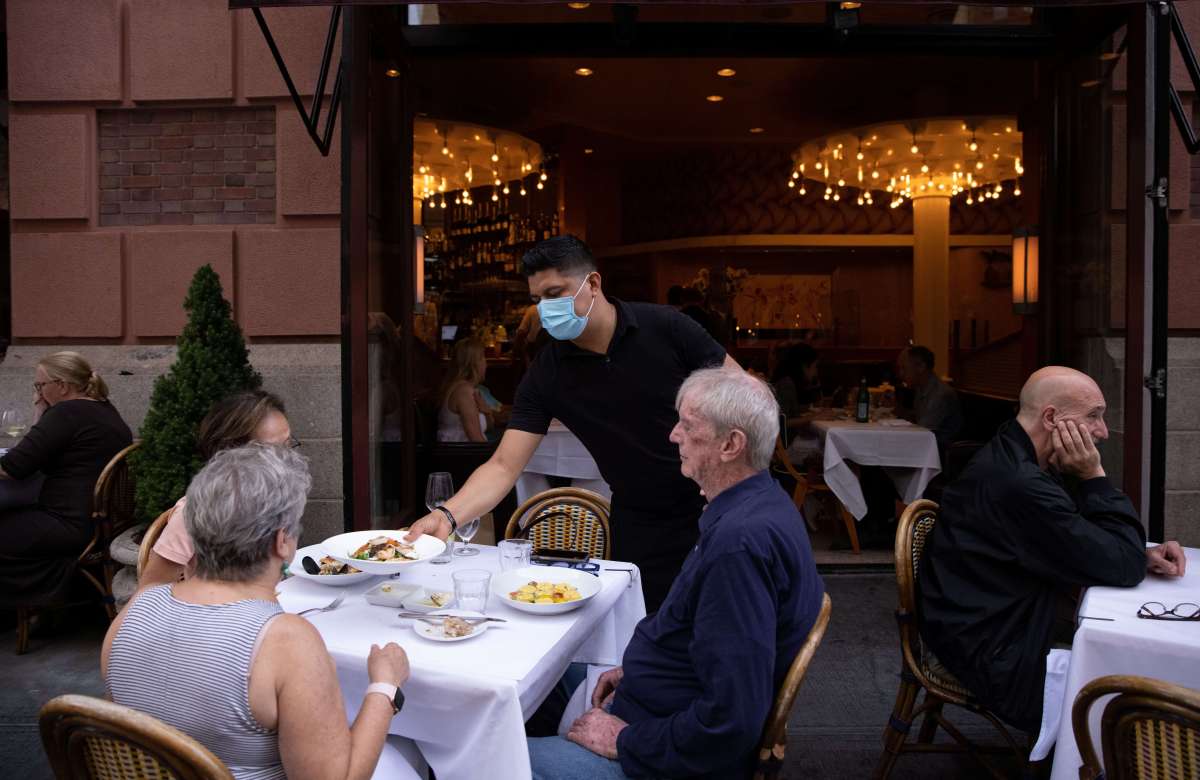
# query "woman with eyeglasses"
(76, 435)
(234, 421)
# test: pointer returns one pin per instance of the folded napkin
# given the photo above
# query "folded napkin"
(895, 422)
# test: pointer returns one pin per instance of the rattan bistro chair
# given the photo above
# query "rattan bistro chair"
(806, 485)
(94, 739)
(774, 739)
(149, 538)
(564, 519)
(921, 670)
(112, 513)
(1150, 731)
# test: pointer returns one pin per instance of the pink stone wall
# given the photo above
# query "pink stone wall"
(82, 266)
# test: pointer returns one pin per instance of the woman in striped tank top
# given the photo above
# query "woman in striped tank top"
(215, 656)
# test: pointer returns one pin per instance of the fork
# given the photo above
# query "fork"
(331, 606)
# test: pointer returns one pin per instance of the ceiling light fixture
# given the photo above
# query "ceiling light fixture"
(584, 71)
(392, 73)
(577, 6)
(714, 98)
(726, 72)
(588, 151)
(756, 130)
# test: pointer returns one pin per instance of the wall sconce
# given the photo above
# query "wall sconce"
(1025, 271)
(419, 262)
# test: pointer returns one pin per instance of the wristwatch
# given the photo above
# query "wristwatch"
(392, 692)
(450, 517)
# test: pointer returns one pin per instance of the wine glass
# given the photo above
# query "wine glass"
(12, 422)
(438, 490)
(466, 532)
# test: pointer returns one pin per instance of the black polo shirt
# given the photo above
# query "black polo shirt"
(621, 404)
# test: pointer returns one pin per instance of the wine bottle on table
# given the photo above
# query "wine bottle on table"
(862, 406)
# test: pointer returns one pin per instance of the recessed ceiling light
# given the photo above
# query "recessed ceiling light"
(392, 73)
(850, 6)
(726, 72)
(756, 130)
(584, 71)
(588, 151)
(714, 98)
(578, 6)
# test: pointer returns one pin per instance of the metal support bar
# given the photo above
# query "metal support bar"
(1165, 22)
(1182, 120)
(310, 118)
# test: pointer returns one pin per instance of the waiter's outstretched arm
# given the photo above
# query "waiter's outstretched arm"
(486, 487)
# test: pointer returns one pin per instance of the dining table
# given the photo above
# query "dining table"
(560, 454)
(907, 453)
(466, 702)
(1112, 639)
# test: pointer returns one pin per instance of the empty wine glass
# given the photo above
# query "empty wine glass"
(438, 490)
(466, 532)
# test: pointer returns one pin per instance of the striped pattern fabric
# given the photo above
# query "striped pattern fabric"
(189, 666)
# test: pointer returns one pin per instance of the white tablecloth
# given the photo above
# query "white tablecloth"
(466, 703)
(907, 453)
(560, 454)
(1161, 649)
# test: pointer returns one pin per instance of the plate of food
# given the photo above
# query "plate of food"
(381, 552)
(545, 590)
(332, 571)
(449, 626)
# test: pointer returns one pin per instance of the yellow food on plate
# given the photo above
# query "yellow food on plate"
(534, 592)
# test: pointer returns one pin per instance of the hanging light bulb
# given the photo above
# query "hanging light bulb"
(802, 191)
(970, 200)
(924, 168)
(795, 174)
(543, 177)
(791, 183)
(860, 200)
(505, 190)
(837, 195)
(523, 192)
(979, 165)
(860, 173)
(541, 186)
(841, 182)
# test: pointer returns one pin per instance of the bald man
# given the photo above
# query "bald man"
(1031, 520)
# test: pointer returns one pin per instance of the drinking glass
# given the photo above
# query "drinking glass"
(471, 589)
(466, 532)
(12, 422)
(438, 490)
(514, 553)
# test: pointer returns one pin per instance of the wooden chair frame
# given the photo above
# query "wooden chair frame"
(534, 505)
(149, 539)
(74, 728)
(804, 487)
(918, 672)
(1138, 700)
(112, 513)
(773, 745)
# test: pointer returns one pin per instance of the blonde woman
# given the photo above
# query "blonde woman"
(463, 413)
(78, 433)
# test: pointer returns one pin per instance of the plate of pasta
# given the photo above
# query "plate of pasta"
(545, 590)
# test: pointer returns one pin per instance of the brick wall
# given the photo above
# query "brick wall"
(205, 166)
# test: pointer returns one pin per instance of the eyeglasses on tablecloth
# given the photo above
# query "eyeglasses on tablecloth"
(1156, 610)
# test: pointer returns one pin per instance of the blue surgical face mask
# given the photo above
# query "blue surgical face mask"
(559, 318)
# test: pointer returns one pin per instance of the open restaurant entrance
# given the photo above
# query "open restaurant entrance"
(856, 176)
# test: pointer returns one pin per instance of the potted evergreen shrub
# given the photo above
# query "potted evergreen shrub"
(212, 362)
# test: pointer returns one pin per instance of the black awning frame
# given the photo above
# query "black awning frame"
(311, 117)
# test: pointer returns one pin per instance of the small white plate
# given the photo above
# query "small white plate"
(416, 601)
(390, 593)
(317, 552)
(342, 547)
(434, 632)
(506, 582)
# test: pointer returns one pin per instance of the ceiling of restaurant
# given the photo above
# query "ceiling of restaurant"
(632, 104)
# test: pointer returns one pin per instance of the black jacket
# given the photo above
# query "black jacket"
(1011, 540)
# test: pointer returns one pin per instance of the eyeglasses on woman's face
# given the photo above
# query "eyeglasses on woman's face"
(292, 443)
(37, 386)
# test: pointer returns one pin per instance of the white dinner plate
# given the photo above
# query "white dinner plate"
(317, 552)
(342, 547)
(434, 632)
(506, 582)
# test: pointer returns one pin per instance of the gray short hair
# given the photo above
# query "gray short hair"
(237, 504)
(730, 398)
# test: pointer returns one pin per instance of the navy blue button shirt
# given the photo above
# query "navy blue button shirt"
(701, 673)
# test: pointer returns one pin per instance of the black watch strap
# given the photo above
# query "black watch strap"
(398, 701)
(450, 517)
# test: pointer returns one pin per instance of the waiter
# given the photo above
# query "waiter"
(610, 375)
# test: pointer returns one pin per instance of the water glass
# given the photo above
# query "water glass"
(514, 553)
(471, 589)
(439, 487)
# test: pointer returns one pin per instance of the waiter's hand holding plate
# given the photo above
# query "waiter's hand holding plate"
(382, 552)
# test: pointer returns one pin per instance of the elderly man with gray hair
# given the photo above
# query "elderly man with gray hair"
(215, 656)
(700, 675)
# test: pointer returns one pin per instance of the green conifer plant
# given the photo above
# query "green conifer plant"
(211, 363)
